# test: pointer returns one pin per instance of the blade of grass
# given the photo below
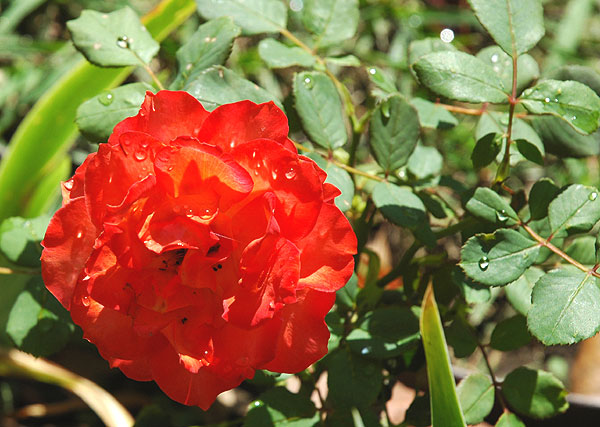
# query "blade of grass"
(445, 409)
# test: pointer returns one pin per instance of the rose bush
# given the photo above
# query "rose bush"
(194, 248)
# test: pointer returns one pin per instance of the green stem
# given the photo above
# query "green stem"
(7, 270)
(504, 168)
(146, 67)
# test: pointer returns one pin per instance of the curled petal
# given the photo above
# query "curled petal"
(327, 258)
(165, 116)
(67, 245)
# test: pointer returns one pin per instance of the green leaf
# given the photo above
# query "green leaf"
(510, 334)
(375, 338)
(571, 101)
(565, 307)
(499, 258)
(112, 40)
(519, 291)
(432, 115)
(218, 85)
(460, 336)
(348, 373)
(347, 294)
(210, 45)
(488, 205)
(399, 204)
(420, 48)
(583, 249)
(282, 408)
(331, 21)
(320, 109)
(254, 16)
(278, 55)
(502, 64)
(20, 240)
(382, 80)
(425, 162)
(472, 292)
(564, 141)
(515, 25)
(37, 323)
(460, 76)
(486, 150)
(476, 397)
(394, 132)
(445, 407)
(537, 394)
(509, 420)
(97, 117)
(540, 196)
(575, 210)
(52, 120)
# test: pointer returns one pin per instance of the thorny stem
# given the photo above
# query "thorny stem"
(504, 167)
(546, 243)
(340, 164)
(148, 69)
(473, 111)
(7, 270)
(491, 371)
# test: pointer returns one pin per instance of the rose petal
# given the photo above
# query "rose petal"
(67, 245)
(233, 124)
(165, 116)
(304, 335)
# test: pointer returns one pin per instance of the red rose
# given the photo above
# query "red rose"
(194, 248)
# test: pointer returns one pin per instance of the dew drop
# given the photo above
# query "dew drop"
(254, 154)
(296, 5)
(494, 57)
(484, 263)
(207, 213)
(308, 82)
(555, 99)
(593, 196)
(97, 46)
(290, 174)
(546, 99)
(106, 99)
(274, 174)
(79, 234)
(365, 350)
(447, 35)
(272, 305)
(372, 71)
(501, 215)
(85, 301)
(123, 42)
(232, 144)
(140, 155)
(144, 144)
(258, 403)
(574, 118)
(69, 185)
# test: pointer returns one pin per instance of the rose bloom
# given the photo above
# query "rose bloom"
(194, 248)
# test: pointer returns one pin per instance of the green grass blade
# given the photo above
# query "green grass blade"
(47, 132)
(445, 409)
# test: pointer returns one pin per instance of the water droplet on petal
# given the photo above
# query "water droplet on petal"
(123, 42)
(79, 234)
(106, 99)
(484, 263)
(140, 155)
(232, 144)
(501, 215)
(274, 174)
(290, 174)
(69, 184)
(593, 196)
(85, 301)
